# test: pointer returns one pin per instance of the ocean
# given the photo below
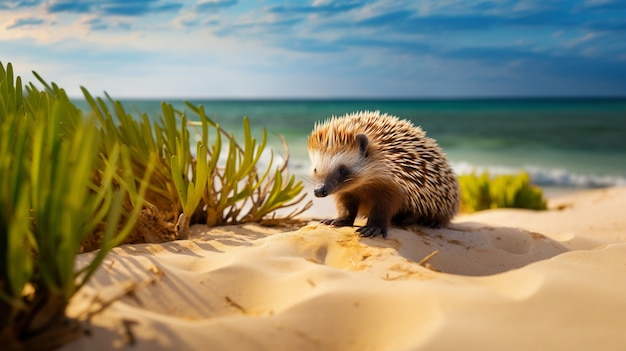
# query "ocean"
(561, 143)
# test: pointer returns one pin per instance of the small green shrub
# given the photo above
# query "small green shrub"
(235, 192)
(199, 189)
(481, 192)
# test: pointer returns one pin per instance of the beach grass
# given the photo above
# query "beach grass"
(56, 188)
(221, 184)
(73, 181)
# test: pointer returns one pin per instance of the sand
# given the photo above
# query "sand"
(500, 280)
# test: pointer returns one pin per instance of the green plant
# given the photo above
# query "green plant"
(236, 192)
(199, 189)
(481, 191)
(56, 188)
(68, 179)
(144, 139)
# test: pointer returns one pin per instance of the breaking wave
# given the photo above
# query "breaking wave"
(548, 177)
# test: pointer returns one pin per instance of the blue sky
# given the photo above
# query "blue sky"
(320, 48)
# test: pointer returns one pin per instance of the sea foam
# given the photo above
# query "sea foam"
(546, 176)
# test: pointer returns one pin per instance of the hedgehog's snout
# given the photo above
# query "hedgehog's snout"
(320, 190)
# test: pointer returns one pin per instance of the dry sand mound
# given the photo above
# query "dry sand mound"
(505, 279)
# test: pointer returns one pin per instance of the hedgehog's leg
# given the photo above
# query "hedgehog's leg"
(407, 219)
(404, 219)
(431, 222)
(382, 208)
(377, 222)
(347, 208)
(379, 217)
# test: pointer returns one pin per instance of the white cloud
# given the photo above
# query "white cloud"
(420, 48)
(583, 39)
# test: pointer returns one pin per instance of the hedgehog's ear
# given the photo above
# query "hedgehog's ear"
(363, 143)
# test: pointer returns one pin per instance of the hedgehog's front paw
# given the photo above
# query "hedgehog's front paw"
(337, 222)
(372, 231)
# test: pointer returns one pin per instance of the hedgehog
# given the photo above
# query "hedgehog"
(383, 168)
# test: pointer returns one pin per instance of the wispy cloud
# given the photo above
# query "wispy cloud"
(70, 6)
(214, 5)
(98, 24)
(327, 47)
(114, 7)
(16, 4)
(29, 21)
(317, 8)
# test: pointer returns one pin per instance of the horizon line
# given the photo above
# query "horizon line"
(368, 98)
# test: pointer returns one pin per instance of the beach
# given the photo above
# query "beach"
(498, 279)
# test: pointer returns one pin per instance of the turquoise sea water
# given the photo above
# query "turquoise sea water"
(560, 142)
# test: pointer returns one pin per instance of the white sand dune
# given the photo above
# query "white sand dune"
(502, 280)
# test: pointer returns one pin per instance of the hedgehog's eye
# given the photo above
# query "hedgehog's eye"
(314, 170)
(343, 171)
